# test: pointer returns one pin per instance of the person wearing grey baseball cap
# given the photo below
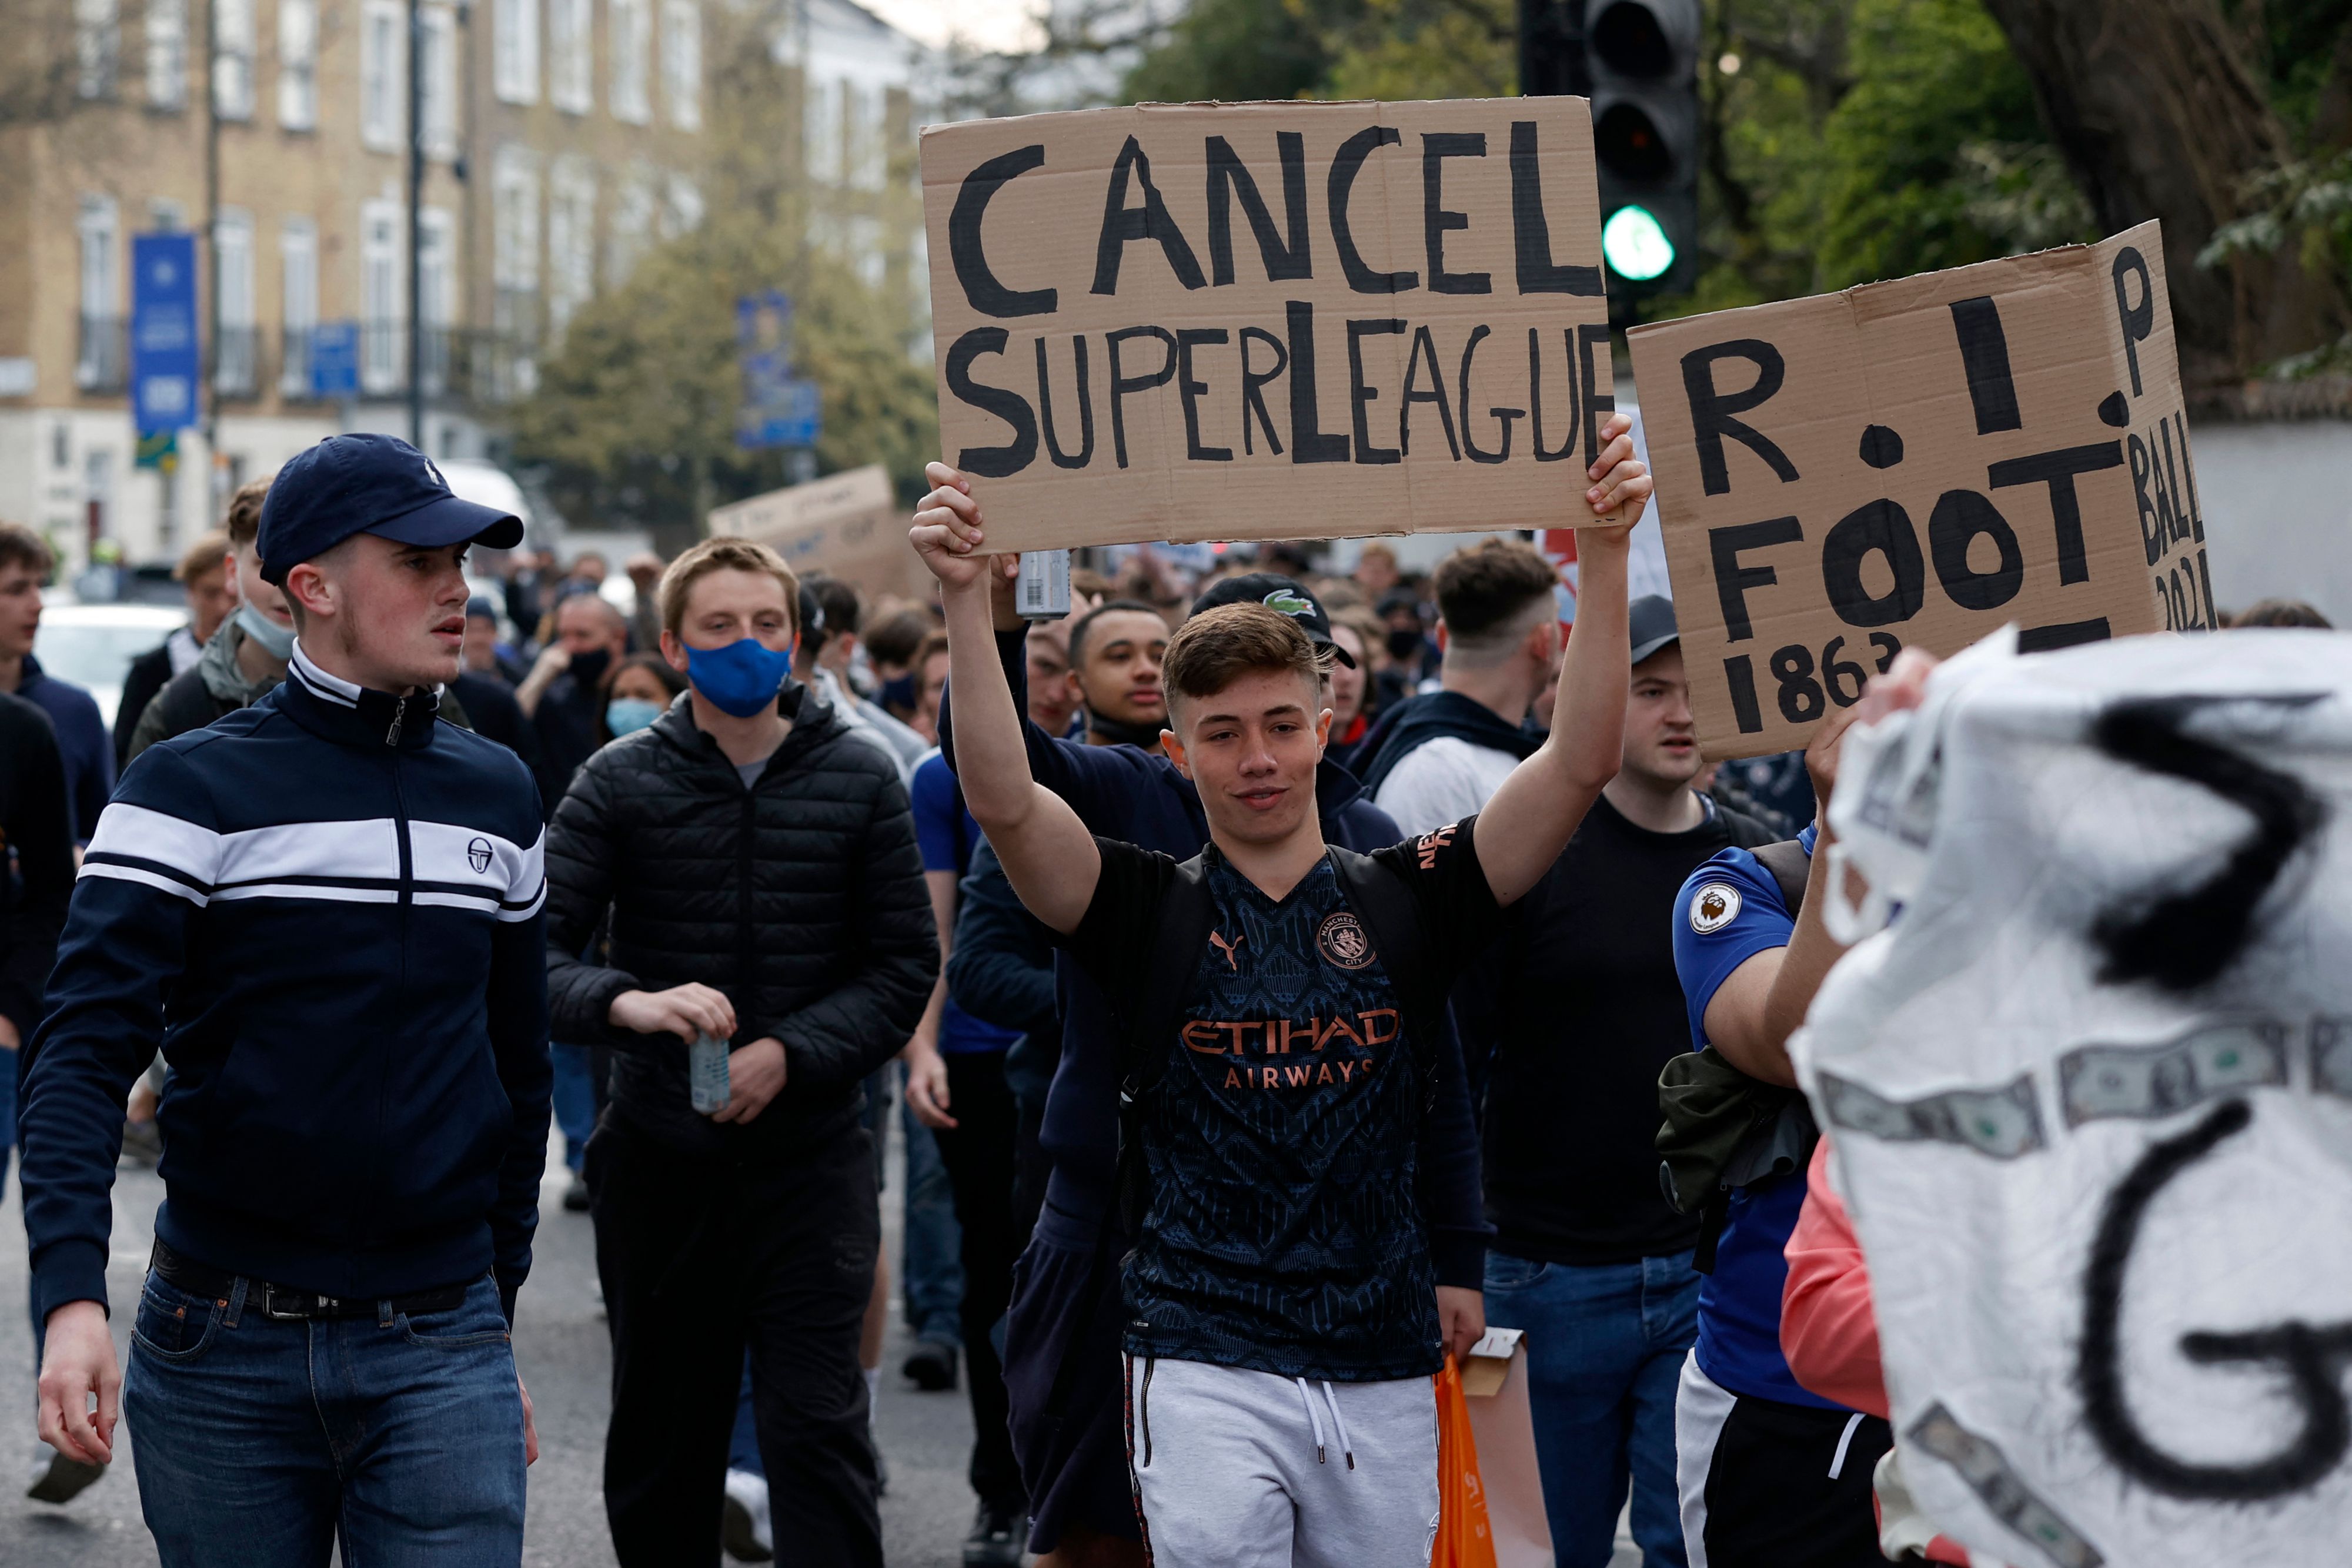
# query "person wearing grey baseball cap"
(328, 906)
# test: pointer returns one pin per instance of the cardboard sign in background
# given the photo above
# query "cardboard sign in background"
(1272, 320)
(848, 525)
(1917, 462)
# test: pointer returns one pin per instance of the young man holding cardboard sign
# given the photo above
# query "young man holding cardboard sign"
(1288, 1296)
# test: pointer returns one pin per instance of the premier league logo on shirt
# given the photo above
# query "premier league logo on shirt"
(1342, 940)
(1713, 907)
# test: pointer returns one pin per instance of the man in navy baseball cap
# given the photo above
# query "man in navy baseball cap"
(377, 485)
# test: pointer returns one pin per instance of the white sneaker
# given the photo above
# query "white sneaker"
(745, 1531)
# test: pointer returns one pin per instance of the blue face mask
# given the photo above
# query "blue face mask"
(742, 679)
(275, 640)
(626, 716)
(898, 693)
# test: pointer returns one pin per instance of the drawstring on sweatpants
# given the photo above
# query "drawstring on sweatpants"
(1315, 1419)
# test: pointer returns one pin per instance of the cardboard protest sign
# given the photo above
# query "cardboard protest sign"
(2089, 1096)
(848, 525)
(1292, 320)
(1918, 462)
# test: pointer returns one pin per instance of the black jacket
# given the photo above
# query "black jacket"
(802, 899)
(38, 824)
(149, 674)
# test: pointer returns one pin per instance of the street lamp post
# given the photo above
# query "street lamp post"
(416, 224)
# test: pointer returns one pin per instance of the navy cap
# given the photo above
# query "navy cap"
(1651, 621)
(1276, 592)
(378, 484)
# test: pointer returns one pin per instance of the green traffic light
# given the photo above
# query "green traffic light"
(1635, 245)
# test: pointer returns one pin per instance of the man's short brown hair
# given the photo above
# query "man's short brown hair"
(20, 545)
(1217, 647)
(207, 554)
(244, 521)
(723, 555)
(1484, 588)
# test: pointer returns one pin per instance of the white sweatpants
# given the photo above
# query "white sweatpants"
(1245, 1469)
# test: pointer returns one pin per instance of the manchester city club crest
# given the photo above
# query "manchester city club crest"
(1344, 941)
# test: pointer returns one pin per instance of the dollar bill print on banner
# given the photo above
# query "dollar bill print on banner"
(2088, 1095)
(1269, 320)
(1915, 463)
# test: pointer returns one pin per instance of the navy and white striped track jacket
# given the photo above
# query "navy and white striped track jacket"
(327, 908)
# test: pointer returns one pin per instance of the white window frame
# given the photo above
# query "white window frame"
(167, 54)
(298, 65)
(384, 296)
(681, 207)
(682, 62)
(821, 135)
(297, 300)
(514, 50)
(383, 75)
(439, 44)
(514, 219)
(628, 33)
(630, 232)
(233, 37)
(98, 229)
(571, 55)
(98, 47)
(570, 239)
(232, 282)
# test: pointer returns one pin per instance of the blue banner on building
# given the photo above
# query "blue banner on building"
(165, 359)
(335, 359)
(778, 409)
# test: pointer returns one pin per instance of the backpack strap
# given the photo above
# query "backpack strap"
(1789, 866)
(1394, 920)
(1169, 971)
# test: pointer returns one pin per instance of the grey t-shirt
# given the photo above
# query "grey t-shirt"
(750, 771)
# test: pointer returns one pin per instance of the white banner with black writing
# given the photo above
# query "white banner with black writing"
(2090, 1095)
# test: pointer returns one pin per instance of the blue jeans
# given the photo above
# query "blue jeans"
(1605, 1347)
(402, 1434)
(575, 1100)
(932, 1261)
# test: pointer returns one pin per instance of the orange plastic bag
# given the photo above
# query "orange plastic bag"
(1464, 1539)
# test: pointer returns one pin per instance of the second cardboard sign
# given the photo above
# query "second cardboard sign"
(1916, 463)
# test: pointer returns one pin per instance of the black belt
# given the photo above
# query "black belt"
(282, 1301)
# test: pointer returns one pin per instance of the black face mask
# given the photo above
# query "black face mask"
(1405, 645)
(587, 669)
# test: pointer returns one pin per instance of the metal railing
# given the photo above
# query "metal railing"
(102, 361)
(236, 362)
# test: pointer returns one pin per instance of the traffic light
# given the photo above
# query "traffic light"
(1637, 61)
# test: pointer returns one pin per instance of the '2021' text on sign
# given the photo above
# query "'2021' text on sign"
(1233, 322)
(1916, 462)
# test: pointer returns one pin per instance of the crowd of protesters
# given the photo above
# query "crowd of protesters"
(386, 820)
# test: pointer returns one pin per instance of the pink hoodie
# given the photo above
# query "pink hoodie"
(1827, 1329)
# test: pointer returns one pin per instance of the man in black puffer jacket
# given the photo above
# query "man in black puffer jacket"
(759, 866)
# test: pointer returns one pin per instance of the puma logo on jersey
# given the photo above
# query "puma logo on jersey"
(1222, 945)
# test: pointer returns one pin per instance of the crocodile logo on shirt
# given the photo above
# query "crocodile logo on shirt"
(478, 855)
(1342, 940)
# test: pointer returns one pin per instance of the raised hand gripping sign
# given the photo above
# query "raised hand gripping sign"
(2090, 1097)
(1298, 320)
(1917, 462)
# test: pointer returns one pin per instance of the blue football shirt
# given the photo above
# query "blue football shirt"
(1730, 910)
